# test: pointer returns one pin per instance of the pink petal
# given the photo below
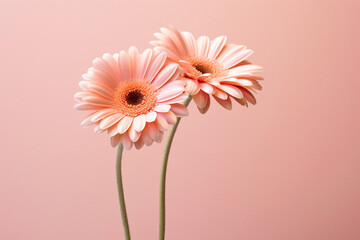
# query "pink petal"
(111, 61)
(189, 42)
(99, 101)
(101, 64)
(110, 120)
(87, 122)
(139, 123)
(207, 88)
(236, 58)
(179, 110)
(237, 82)
(144, 62)
(170, 92)
(207, 105)
(192, 87)
(179, 99)
(160, 137)
(248, 96)
(162, 123)
(165, 75)
(112, 131)
(170, 117)
(98, 130)
(152, 130)
(220, 94)
(162, 108)
(124, 124)
(133, 134)
(86, 106)
(176, 37)
(101, 89)
(241, 101)
(232, 90)
(244, 70)
(124, 65)
(115, 140)
(216, 46)
(203, 44)
(151, 116)
(134, 62)
(126, 141)
(229, 50)
(155, 66)
(171, 42)
(102, 113)
(225, 103)
(201, 99)
(139, 144)
(145, 137)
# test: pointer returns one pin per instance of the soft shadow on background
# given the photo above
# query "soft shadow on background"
(285, 169)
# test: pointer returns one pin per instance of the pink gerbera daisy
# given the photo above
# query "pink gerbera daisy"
(133, 97)
(211, 67)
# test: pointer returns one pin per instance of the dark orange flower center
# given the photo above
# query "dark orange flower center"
(203, 66)
(135, 97)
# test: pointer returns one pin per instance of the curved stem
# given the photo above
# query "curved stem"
(163, 175)
(121, 192)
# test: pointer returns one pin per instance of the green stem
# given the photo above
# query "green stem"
(163, 175)
(121, 192)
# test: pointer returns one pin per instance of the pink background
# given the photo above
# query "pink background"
(286, 169)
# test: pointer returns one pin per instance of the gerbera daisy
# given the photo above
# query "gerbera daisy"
(132, 96)
(211, 67)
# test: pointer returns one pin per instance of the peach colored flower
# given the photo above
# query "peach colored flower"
(211, 67)
(132, 96)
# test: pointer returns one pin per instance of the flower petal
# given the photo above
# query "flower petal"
(170, 92)
(134, 62)
(192, 87)
(162, 123)
(216, 46)
(155, 66)
(124, 65)
(115, 140)
(102, 113)
(167, 73)
(202, 48)
(125, 139)
(225, 103)
(99, 101)
(151, 116)
(133, 134)
(124, 124)
(232, 90)
(144, 62)
(110, 120)
(189, 42)
(162, 108)
(179, 110)
(139, 123)
(236, 58)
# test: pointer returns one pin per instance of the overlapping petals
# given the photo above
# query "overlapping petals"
(132, 96)
(211, 67)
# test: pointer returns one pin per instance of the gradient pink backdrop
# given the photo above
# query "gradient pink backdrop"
(286, 169)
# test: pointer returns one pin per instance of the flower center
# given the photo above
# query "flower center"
(135, 97)
(202, 66)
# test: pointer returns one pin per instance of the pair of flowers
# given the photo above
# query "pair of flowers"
(135, 97)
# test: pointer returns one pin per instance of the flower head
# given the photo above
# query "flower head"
(132, 96)
(211, 67)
